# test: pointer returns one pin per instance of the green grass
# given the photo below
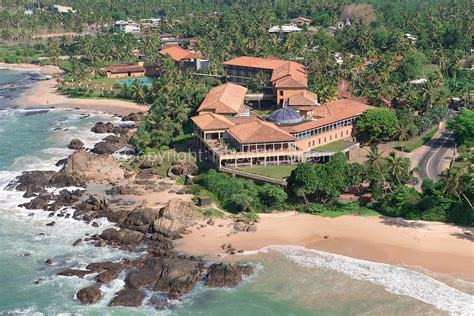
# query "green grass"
(421, 141)
(348, 209)
(277, 172)
(264, 112)
(180, 181)
(336, 146)
(429, 68)
(212, 212)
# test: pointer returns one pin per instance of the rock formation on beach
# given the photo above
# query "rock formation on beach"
(147, 229)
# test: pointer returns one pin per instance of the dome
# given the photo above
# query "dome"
(285, 115)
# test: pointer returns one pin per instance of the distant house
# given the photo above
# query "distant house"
(185, 59)
(301, 21)
(285, 29)
(410, 37)
(63, 9)
(418, 81)
(121, 71)
(28, 12)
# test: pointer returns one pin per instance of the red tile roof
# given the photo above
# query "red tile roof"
(211, 121)
(329, 113)
(224, 99)
(259, 132)
(120, 68)
(286, 74)
(306, 98)
(178, 54)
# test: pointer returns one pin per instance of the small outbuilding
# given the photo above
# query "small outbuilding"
(121, 71)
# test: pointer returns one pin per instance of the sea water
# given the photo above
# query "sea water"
(287, 280)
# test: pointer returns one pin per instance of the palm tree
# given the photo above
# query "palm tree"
(454, 182)
(377, 161)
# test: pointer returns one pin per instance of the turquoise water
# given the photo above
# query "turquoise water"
(142, 80)
(288, 281)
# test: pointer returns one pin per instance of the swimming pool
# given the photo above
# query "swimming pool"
(142, 80)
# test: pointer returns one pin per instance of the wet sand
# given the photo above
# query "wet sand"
(436, 247)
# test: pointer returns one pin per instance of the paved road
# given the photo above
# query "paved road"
(432, 161)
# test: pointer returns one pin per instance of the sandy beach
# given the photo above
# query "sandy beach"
(44, 94)
(437, 247)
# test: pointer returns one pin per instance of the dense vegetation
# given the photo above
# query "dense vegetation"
(371, 58)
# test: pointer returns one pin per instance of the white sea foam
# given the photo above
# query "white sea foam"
(394, 279)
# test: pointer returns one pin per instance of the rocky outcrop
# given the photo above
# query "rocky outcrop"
(85, 166)
(122, 236)
(102, 128)
(127, 297)
(110, 144)
(226, 275)
(75, 144)
(176, 217)
(181, 169)
(135, 117)
(89, 295)
(31, 181)
(141, 219)
(74, 272)
(174, 276)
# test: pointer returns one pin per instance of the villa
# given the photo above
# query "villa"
(301, 21)
(121, 71)
(285, 78)
(185, 59)
(231, 137)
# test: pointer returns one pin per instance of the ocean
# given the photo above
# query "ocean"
(287, 281)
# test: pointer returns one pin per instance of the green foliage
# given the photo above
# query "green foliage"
(376, 125)
(175, 96)
(272, 196)
(402, 202)
(302, 180)
(463, 127)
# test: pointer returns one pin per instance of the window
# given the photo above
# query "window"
(319, 141)
(330, 137)
(342, 134)
(324, 138)
(281, 93)
(309, 144)
(335, 135)
(347, 132)
(313, 142)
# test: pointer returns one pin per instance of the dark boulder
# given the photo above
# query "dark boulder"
(89, 295)
(101, 128)
(123, 236)
(75, 144)
(127, 297)
(105, 266)
(74, 272)
(107, 276)
(135, 117)
(226, 275)
(31, 181)
(174, 275)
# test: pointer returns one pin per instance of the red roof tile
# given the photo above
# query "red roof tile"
(178, 54)
(120, 68)
(211, 121)
(259, 132)
(224, 99)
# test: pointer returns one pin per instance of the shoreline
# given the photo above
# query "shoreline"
(43, 94)
(432, 246)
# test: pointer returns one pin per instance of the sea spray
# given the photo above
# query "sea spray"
(394, 279)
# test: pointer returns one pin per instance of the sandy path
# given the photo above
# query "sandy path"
(437, 247)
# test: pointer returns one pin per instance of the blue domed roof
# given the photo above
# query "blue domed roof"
(285, 115)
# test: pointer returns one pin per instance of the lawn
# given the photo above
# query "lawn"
(277, 172)
(430, 68)
(336, 146)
